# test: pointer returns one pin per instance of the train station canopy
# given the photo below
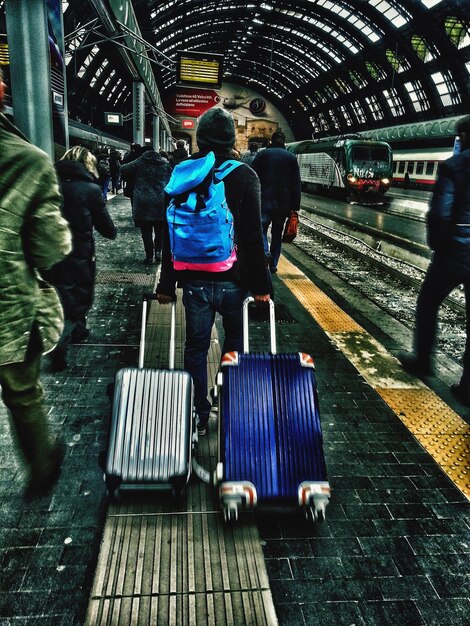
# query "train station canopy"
(329, 66)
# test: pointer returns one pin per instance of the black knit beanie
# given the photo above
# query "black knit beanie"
(216, 130)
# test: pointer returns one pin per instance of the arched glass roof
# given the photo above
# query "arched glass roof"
(327, 65)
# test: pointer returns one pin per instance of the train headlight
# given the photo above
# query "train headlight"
(385, 181)
(351, 178)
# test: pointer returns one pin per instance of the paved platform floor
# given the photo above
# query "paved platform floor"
(395, 548)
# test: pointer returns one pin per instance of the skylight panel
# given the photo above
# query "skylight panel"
(431, 3)
(87, 61)
(359, 112)
(446, 88)
(351, 17)
(98, 73)
(390, 12)
(417, 96)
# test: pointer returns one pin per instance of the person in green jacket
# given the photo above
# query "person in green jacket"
(33, 237)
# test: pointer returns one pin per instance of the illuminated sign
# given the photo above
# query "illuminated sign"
(198, 69)
(113, 118)
(188, 124)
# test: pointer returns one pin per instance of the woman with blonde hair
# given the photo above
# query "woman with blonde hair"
(74, 277)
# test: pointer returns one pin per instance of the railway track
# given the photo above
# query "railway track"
(395, 267)
(390, 283)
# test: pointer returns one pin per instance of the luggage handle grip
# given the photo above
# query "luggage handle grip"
(272, 325)
(145, 299)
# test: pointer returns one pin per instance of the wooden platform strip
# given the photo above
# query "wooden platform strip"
(176, 563)
(212, 609)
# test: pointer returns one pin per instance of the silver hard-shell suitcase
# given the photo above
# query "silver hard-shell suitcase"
(152, 425)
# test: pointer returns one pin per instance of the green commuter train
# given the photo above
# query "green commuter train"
(361, 170)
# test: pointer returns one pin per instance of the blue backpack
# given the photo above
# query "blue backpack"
(200, 224)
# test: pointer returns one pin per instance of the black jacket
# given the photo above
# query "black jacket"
(279, 175)
(150, 173)
(242, 192)
(84, 209)
(178, 155)
(449, 214)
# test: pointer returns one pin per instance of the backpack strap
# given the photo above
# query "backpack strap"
(226, 168)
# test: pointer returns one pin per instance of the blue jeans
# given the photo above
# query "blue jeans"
(202, 300)
(277, 226)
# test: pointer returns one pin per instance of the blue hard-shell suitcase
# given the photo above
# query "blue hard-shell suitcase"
(270, 437)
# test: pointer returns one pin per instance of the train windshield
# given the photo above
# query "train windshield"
(369, 153)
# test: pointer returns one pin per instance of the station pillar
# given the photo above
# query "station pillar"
(28, 43)
(138, 102)
(156, 133)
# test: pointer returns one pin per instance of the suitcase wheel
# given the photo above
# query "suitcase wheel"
(315, 515)
(112, 487)
(231, 513)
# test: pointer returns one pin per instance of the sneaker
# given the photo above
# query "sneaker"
(39, 487)
(461, 394)
(82, 335)
(202, 426)
(415, 366)
(214, 398)
(58, 362)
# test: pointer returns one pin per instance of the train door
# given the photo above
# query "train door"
(334, 179)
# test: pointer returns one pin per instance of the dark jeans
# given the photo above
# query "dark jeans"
(202, 300)
(277, 226)
(441, 278)
(152, 244)
(23, 396)
(105, 188)
(115, 182)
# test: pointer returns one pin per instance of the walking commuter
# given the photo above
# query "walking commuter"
(104, 173)
(279, 175)
(74, 277)
(180, 154)
(249, 157)
(33, 236)
(115, 170)
(128, 183)
(150, 173)
(207, 293)
(448, 222)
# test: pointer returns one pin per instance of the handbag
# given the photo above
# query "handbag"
(290, 228)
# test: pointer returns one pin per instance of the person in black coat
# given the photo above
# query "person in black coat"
(448, 222)
(115, 170)
(85, 209)
(180, 154)
(279, 176)
(128, 187)
(150, 173)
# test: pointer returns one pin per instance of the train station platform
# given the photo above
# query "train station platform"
(395, 544)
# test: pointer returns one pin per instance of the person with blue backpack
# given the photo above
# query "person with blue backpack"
(212, 246)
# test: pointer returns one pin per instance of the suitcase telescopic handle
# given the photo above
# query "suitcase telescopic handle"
(272, 325)
(145, 299)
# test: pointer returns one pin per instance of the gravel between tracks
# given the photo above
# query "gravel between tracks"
(396, 297)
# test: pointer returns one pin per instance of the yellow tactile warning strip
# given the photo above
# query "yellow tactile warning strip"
(443, 433)
(167, 562)
(330, 319)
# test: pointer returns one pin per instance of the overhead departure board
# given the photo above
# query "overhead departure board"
(198, 69)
